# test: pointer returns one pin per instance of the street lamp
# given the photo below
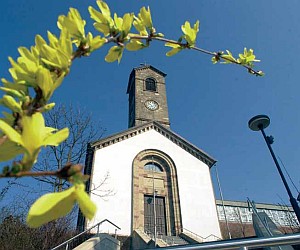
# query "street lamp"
(260, 122)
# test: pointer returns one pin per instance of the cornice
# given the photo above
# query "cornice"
(142, 67)
(178, 140)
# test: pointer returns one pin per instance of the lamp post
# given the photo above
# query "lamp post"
(259, 123)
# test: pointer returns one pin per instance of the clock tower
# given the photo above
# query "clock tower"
(147, 96)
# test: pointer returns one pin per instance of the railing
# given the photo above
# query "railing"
(69, 242)
(210, 237)
(243, 244)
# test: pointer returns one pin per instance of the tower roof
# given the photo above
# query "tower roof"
(142, 67)
(145, 66)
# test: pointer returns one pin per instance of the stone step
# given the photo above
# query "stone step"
(173, 240)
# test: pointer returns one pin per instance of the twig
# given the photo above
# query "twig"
(66, 172)
(30, 173)
(184, 45)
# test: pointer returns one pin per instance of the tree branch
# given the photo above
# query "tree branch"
(185, 45)
(30, 173)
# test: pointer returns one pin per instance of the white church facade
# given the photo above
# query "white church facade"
(161, 183)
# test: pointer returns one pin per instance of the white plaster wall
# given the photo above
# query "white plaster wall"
(197, 199)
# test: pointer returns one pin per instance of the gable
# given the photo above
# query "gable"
(164, 133)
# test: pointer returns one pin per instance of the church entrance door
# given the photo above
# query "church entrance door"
(149, 215)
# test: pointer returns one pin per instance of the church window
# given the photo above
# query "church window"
(153, 167)
(154, 170)
(150, 84)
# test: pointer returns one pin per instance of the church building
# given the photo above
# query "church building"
(160, 183)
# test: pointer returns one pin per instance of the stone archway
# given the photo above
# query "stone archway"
(145, 182)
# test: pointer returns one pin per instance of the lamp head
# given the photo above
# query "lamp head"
(259, 122)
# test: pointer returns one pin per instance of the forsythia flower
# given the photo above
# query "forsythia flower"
(55, 205)
(34, 135)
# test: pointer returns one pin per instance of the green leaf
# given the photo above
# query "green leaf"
(57, 138)
(87, 207)
(72, 27)
(73, 23)
(190, 33)
(12, 92)
(96, 42)
(176, 48)
(127, 23)
(16, 66)
(159, 35)
(51, 64)
(65, 43)
(44, 81)
(8, 118)
(33, 132)
(114, 53)
(247, 58)
(118, 22)
(55, 205)
(55, 57)
(39, 42)
(96, 15)
(12, 134)
(228, 58)
(49, 53)
(172, 45)
(140, 26)
(58, 82)
(35, 52)
(60, 21)
(146, 17)
(74, 16)
(11, 103)
(134, 45)
(34, 136)
(103, 28)
(50, 207)
(15, 86)
(47, 107)
(63, 59)
(24, 52)
(174, 51)
(53, 40)
(9, 150)
(104, 8)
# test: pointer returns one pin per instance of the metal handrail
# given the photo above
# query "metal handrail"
(199, 236)
(87, 230)
(243, 243)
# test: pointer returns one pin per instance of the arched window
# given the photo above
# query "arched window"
(150, 84)
(153, 167)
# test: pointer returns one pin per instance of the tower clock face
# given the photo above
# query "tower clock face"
(151, 105)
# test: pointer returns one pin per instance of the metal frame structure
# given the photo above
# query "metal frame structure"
(67, 243)
(242, 243)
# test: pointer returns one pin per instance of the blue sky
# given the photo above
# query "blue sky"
(209, 105)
